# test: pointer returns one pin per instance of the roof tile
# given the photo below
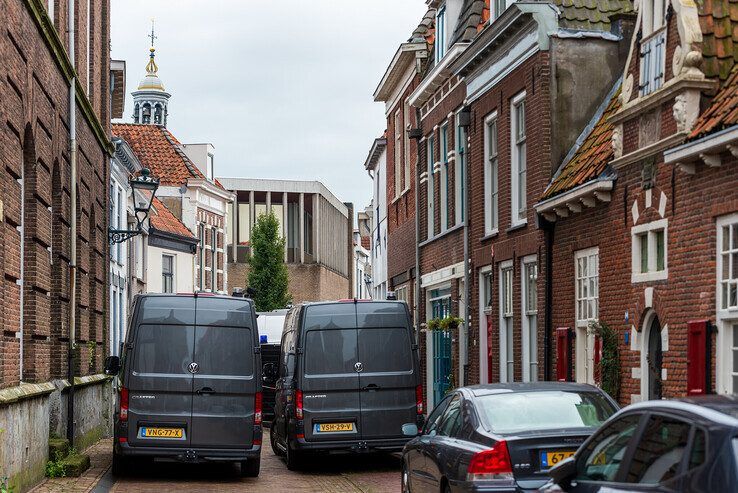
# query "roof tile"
(162, 219)
(723, 110)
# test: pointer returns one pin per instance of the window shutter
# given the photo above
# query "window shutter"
(698, 357)
(563, 354)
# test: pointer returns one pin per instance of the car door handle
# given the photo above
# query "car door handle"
(372, 386)
(205, 390)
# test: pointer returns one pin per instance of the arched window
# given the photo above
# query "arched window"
(146, 116)
(157, 114)
(136, 115)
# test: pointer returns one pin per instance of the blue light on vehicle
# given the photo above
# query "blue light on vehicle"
(263, 339)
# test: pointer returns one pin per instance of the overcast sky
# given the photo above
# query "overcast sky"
(282, 88)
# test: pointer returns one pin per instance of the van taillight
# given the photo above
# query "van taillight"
(257, 408)
(419, 399)
(123, 404)
(491, 465)
(298, 404)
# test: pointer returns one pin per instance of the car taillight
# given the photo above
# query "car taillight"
(298, 404)
(257, 408)
(123, 404)
(419, 399)
(492, 464)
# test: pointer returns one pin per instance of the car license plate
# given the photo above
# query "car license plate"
(550, 459)
(334, 427)
(161, 432)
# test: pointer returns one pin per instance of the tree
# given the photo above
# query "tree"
(268, 274)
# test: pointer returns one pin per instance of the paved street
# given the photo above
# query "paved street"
(344, 474)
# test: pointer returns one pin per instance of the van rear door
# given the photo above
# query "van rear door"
(156, 375)
(389, 375)
(226, 383)
(330, 381)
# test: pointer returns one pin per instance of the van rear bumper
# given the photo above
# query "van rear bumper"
(382, 444)
(189, 454)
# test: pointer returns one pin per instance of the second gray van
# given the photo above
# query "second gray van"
(348, 379)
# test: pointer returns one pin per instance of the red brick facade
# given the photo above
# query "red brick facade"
(35, 194)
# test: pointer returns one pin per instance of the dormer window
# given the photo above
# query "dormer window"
(440, 33)
(653, 46)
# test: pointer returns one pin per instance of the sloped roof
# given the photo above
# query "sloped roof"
(723, 109)
(158, 150)
(590, 161)
(719, 24)
(426, 26)
(590, 15)
(162, 219)
(366, 242)
(469, 21)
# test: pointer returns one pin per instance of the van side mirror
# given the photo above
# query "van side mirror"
(410, 430)
(112, 365)
(564, 472)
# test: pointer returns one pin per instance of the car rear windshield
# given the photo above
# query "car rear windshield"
(330, 352)
(163, 349)
(518, 412)
(385, 350)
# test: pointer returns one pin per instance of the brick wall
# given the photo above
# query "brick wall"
(34, 146)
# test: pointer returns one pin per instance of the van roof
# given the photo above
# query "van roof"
(336, 302)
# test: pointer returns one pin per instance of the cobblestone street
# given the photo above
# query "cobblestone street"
(340, 474)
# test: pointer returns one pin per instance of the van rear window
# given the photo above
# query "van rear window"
(224, 351)
(163, 349)
(330, 352)
(385, 350)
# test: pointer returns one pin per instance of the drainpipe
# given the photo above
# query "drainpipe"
(548, 231)
(73, 260)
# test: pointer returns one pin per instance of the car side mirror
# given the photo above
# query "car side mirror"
(112, 365)
(410, 430)
(564, 472)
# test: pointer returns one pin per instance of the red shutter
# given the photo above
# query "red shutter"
(563, 354)
(698, 357)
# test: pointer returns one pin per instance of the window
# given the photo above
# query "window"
(401, 294)
(519, 163)
(658, 456)
(452, 419)
(440, 33)
(728, 265)
(491, 168)
(529, 283)
(431, 187)
(445, 178)
(330, 352)
(211, 167)
(167, 273)
(434, 419)
(497, 8)
(653, 63)
(214, 258)
(487, 289)
(459, 173)
(603, 455)
(507, 357)
(406, 143)
(727, 304)
(201, 256)
(586, 286)
(398, 154)
(244, 223)
(649, 251)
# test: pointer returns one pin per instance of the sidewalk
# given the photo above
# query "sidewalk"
(101, 455)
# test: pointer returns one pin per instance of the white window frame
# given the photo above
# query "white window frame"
(441, 25)
(484, 272)
(460, 170)
(529, 318)
(652, 62)
(51, 8)
(506, 321)
(516, 144)
(174, 271)
(406, 144)
(584, 341)
(491, 177)
(430, 145)
(443, 154)
(650, 229)
(398, 154)
(726, 316)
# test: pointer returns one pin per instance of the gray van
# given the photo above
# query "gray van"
(348, 379)
(189, 382)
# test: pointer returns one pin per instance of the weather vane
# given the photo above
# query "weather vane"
(152, 35)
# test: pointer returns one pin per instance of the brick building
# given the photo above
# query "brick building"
(36, 223)
(647, 244)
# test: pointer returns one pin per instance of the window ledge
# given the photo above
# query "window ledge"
(489, 236)
(517, 226)
(442, 234)
(398, 197)
(661, 275)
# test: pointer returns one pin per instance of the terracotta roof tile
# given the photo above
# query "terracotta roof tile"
(723, 110)
(366, 242)
(591, 158)
(160, 151)
(719, 24)
(162, 219)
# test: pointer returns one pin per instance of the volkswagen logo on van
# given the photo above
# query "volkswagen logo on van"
(194, 367)
(359, 367)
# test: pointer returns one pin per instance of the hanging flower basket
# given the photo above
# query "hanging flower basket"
(445, 324)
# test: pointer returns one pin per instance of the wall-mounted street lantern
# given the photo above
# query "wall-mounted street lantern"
(144, 188)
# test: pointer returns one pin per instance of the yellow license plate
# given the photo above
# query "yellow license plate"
(323, 427)
(162, 432)
(550, 459)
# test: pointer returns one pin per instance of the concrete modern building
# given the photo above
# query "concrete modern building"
(376, 166)
(317, 226)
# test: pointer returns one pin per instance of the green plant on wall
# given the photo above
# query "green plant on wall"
(610, 361)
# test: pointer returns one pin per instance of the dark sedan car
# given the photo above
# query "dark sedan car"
(659, 446)
(501, 437)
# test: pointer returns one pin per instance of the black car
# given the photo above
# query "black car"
(658, 446)
(501, 437)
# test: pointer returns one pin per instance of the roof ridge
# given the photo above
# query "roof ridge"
(194, 171)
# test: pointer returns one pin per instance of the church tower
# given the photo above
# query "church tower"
(150, 100)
